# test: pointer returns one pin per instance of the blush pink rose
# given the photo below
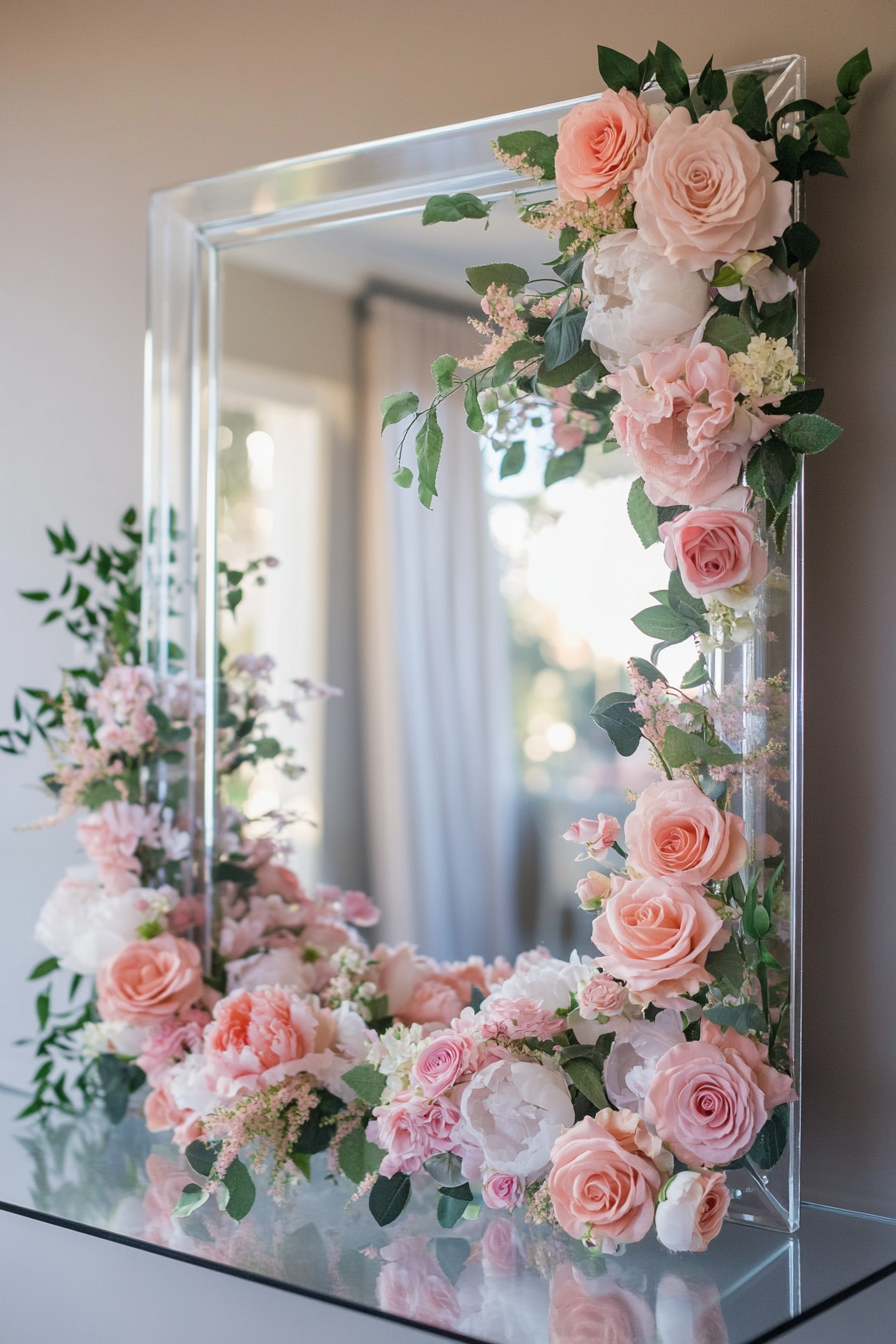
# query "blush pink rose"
(160, 1111)
(714, 550)
(655, 934)
(358, 909)
(502, 1191)
(707, 192)
(775, 1087)
(705, 1103)
(600, 144)
(259, 1037)
(150, 980)
(441, 1062)
(599, 1190)
(601, 996)
(599, 835)
(412, 1129)
(676, 831)
(412, 1285)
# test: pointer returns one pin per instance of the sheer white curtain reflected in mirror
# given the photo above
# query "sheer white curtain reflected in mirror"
(440, 758)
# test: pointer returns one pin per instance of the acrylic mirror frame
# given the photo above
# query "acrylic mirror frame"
(190, 227)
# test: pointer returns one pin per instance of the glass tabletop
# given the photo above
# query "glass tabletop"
(494, 1278)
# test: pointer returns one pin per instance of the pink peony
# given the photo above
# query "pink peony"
(600, 143)
(170, 1042)
(412, 1129)
(715, 550)
(257, 1038)
(120, 704)
(441, 1062)
(692, 1210)
(519, 1019)
(500, 1191)
(598, 1189)
(707, 192)
(111, 837)
(601, 996)
(676, 831)
(655, 934)
(149, 981)
(599, 835)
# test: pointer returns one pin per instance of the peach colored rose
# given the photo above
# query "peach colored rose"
(632, 1134)
(707, 192)
(676, 831)
(692, 1210)
(259, 1037)
(161, 1111)
(705, 1103)
(598, 1189)
(775, 1087)
(149, 980)
(601, 996)
(714, 550)
(600, 143)
(655, 934)
(587, 1310)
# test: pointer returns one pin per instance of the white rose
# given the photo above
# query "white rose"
(281, 966)
(84, 926)
(633, 1058)
(640, 302)
(550, 981)
(513, 1112)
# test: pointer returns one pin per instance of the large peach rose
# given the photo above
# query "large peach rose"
(706, 1104)
(259, 1037)
(150, 980)
(600, 1190)
(715, 550)
(676, 831)
(600, 143)
(707, 192)
(586, 1310)
(655, 933)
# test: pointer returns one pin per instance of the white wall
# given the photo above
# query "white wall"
(103, 100)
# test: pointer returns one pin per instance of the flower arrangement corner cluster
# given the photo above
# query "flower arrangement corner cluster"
(604, 1094)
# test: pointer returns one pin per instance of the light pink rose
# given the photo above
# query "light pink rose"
(567, 433)
(160, 1111)
(441, 992)
(170, 1042)
(111, 837)
(601, 996)
(189, 913)
(149, 980)
(588, 1310)
(501, 1246)
(706, 1104)
(714, 549)
(441, 1062)
(655, 934)
(707, 192)
(775, 1087)
(600, 143)
(274, 879)
(502, 1191)
(259, 1037)
(598, 1189)
(412, 1285)
(519, 1019)
(599, 835)
(412, 1129)
(397, 971)
(593, 889)
(676, 831)
(692, 1210)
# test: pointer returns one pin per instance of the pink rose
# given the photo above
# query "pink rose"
(397, 971)
(707, 192)
(501, 1191)
(714, 550)
(601, 996)
(676, 831)
(274, 879)
(600, 143)
(692, 1210)
(149, 980)
(655, 934)
(599, 1190)
(775, 1087)
(705, 1103)
(412, 1129)
(588, 1310)
(358, 909)
(433, 1004)
(441, 1062)
(599, 835)
(593, 889)
(160, 1111)
(257, 1038)
(501, 1246)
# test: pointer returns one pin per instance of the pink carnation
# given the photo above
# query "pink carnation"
(258, 1038)
(111, 837)
(412, 1129)
(519, 1019)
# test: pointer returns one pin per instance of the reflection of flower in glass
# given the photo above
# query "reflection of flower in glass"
(411, 1284)
(689, 1312)
(597, 1311)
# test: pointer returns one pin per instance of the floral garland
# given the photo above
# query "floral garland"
(605, 1094)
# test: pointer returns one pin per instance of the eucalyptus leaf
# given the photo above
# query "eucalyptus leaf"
(202, 1156)
(241, 1188)
(444, 1168)
(622, 723)
(192, 1197)
(662, 623)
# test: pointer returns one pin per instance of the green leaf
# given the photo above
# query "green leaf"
(803, 402)
(316, 1133)
(752, 112)
(35, 595)
(357, 1157)
(712, 87)
(616, 714)
(497, 273)
(647, 670)
(670, 74)
(770, 1142)
(192, 1198)
(771, 470)
(518, 351)
(118, 1078)
(850, 75)
(266, 748)
(46, 967)
(815, 161)
(662, 623)
(477, 998)
(443, 373)
(618, 71)
(563, 338)
(449, 209)
(564, 465)
(241, 1188)
(389, 1197)
(445, 1168)
(582, 362)
(397, 407)
(452, 1254)
(778, 319)
(366, 1082)
(727, 965)
(681, 748)
(225, 871)
(587, 1079)
(42, 1008)
(728, 333)
(643, 514)
(450, 1211)
(801, 243)
(460, 1192)
(404, 477)
(475, 418)
(833, 132)
(514, 459)
(429, 451)
(809, 433)
(741, 1017)
(696, 675)
(202, 1156)
(539, 149)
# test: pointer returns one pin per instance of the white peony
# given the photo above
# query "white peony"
(281, 966)
(84, 926)
(188, 1085)
(633, 1058)
(640, 302)
(550, 982)
(513, 1112)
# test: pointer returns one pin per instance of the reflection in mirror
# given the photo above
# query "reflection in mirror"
(469, 642)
